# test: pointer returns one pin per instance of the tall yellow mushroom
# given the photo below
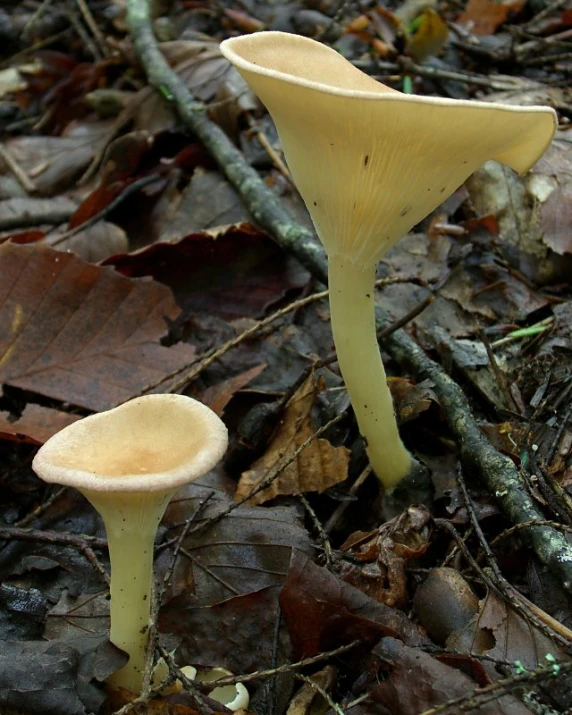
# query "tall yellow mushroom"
(370, 163)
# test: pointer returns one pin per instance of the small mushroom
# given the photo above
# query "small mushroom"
(128, 462)
(370, 163)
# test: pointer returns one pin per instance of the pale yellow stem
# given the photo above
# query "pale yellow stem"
(131, 521)
(352, 310)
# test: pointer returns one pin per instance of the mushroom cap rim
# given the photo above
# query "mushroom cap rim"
(204, 460)
(395, 96)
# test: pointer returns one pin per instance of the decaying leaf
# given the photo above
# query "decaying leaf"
(378, 558)
(483, 17)
(323, 612)
(36, 424)
(435, 683)
(318, 467)
(81, 333)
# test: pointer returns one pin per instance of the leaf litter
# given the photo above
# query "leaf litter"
(155, 290)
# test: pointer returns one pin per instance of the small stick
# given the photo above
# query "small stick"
(23, 179)
(90, 22)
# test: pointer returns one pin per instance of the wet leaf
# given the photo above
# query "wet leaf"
(232, 272)
(55, 162)
(323, 612)
(483, 17)
(36, 424)
(515, 638)
(379, 558)
(435, 683)
(319, 466)
(247, 551)
(81, 333)
(218, 396)
(54, 678)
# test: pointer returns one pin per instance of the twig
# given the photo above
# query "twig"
(23, 179)
(327, 697)
(545, 12)
(497, 471)
(263, 204)
(199, 702)
(41, 508)
(268, 148)
(478, 697)
(83, 34)
(81, 542)
(320, 529)
(287, 667)
(335, 517)
(127, 191)
(498, 373)
(91, 23)
(507, 592)
(43, 7)
(207, 360)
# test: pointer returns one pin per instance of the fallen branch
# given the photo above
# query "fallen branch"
(478, 455)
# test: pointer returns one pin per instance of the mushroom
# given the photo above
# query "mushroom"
(370, 163)
(128, 462)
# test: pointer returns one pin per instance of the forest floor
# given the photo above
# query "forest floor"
(152, 240)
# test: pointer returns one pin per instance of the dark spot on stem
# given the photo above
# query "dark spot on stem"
(405, 211)
(366, 160)
(315, 203)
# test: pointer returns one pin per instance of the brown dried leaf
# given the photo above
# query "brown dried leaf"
(36, 425)
(515, 638)
(379, 557)
(54, 163)
(317, 467)
(218, 396)
(79, 332)
(323, 612)
(483, 17)
(433, 683)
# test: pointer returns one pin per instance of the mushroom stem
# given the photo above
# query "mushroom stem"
(131, 524)
(352, 310)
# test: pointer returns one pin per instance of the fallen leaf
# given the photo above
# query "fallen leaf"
(40, 678)
(231, 272)
(218, 396)
(81, 333)
(483, 17)
(323, 612)
(435, 683)
(54, 163)
(30, 211)
(377, 563)
(93, 244)
(36, 424)
(318, 467)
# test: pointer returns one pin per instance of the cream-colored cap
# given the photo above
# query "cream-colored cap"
(151, 443)
(369, 161)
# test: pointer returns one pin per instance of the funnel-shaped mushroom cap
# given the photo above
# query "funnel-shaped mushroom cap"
(151, 443)
(371, 162)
